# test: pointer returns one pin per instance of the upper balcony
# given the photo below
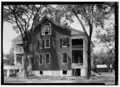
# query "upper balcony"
(77, 43)
(77, 46)
(19, 42)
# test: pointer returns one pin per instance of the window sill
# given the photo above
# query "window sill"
(65, 63)
(47, 47)
(47, 63)
(45, 34)
(64, 46)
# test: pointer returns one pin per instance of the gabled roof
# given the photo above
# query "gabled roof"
(16, 38)
(73, 31)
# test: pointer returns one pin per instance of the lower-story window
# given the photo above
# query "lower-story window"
(64, 72)
(47, 58)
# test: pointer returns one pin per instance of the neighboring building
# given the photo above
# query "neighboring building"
(55, 50)
(9, 70)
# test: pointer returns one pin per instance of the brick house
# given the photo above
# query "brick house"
(55, 50)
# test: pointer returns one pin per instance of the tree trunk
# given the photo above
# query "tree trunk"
(89, 59)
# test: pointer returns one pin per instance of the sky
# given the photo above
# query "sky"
(8, 35)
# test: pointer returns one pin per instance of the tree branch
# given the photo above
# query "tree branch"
(80, 22)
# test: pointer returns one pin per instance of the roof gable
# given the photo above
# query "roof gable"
(63, 28)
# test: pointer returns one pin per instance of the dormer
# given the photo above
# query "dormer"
(46, 29)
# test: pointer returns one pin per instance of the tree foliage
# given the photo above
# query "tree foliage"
(91, 15)
(26, 17)
(107, 39)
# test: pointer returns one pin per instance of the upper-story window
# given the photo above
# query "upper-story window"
(64, 42)
(47, 43)
(46, 30)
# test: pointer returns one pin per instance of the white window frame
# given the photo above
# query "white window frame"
(42, 59)
(46, 58)
(45, 43)
(62, 58)
(43, 30)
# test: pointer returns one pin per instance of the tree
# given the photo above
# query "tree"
(103, 58)
(108, 40)
(91, 15)
(25, 19)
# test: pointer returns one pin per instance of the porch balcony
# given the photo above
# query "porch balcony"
(77, 46)
(77, 65)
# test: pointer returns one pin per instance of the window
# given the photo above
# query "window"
(46, 30)
(40, 57)
(64, 72)
(64, 42)
(47, 58)
(64, 58)
(47, 43)
(41, 72)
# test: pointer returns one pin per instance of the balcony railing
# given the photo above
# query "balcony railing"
(77, 65)
(77, 46)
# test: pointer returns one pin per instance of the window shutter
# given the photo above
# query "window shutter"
(60, 42)
(43, 43)
(38, 44)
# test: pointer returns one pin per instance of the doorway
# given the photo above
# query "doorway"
(76, 72)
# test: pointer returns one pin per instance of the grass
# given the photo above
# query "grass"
(104, 78)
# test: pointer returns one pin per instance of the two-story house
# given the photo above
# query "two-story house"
(55, 50)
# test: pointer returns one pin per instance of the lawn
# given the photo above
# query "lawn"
(106, 78)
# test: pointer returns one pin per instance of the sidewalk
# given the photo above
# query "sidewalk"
(104, 78)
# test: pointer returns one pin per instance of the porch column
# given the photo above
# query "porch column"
(84, 69)
(8, 72)
(15, 59)
(22, 61)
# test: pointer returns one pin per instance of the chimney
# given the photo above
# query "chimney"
(58, 17)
